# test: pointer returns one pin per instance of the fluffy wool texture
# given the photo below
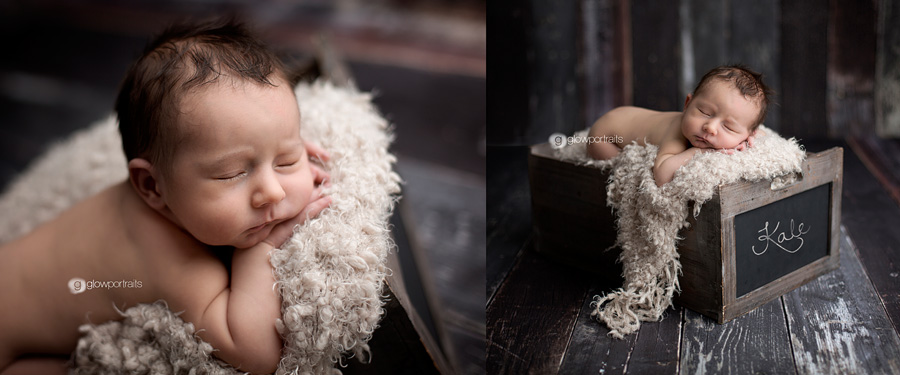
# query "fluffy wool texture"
(650, 217)
(330, 272)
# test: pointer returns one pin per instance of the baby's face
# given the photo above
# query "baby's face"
(719, 117)
(241, 167)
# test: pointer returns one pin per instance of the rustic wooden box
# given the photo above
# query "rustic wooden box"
(749, 245)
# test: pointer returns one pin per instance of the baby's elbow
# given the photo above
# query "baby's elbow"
(660, 177)
(268, 362)
(256, 355)
(660, 182)
(259, 360)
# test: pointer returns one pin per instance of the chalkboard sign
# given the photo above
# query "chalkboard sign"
(776, 239)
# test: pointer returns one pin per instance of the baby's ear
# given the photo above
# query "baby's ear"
(143, 178)
(687, 100)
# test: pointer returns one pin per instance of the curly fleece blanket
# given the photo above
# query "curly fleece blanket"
(329, 273)
(649, 217)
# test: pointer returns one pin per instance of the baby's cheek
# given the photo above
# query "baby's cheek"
(302, 189)
(213, 227)
(227, 218)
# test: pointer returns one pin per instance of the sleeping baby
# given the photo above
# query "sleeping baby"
(722, 114)
(217, 170)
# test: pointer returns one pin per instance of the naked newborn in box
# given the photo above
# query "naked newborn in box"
(722, 114)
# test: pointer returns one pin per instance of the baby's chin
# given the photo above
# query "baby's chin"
(250, 240)
(702, 145)
(247, 239)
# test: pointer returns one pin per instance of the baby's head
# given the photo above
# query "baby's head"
(727, 106)
(211, 129)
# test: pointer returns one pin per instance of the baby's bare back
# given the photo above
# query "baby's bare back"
(625, 125)
(109, 250)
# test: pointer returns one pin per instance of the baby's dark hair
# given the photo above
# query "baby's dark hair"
(748, 82)
(182, 58)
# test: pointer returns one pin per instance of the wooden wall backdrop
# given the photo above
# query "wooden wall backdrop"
(887, 77)
(556, 66)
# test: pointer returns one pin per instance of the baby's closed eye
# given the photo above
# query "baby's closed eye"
(231, 176)
(290, 163)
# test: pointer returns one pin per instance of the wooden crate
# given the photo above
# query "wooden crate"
(749, 245)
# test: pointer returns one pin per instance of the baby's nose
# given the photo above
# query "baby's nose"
(268, 192)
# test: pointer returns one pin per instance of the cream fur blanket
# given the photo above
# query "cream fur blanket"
(329, 273)
(649, 217)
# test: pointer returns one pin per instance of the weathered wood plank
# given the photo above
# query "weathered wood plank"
(704, 39)
(819, 168)
(554, 103)
(754, 343)
(701, 257)
(591, 349)
(887, 91)
(508, 212)
(651, 350)
(530, 319)
(572, 223)
(657, 348)
(804, 25)
(756, 42)
(655, 55)
(509, 27)
(871, 218)
(882, 158)
(396, 346)
(607, 68)
(838, 325)
(444, 215)
(851, 68)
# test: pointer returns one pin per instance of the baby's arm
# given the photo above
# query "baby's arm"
(667, 163)
(240, 322)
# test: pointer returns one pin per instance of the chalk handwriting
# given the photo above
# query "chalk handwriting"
(782, 240)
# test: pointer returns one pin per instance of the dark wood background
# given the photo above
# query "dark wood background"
(558, 66)
(836, 71)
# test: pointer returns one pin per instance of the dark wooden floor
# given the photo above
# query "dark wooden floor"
(538, 312)
(63, 63)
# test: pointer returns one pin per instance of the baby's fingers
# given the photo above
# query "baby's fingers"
(315, 207)
(320, 177)
(316, 151)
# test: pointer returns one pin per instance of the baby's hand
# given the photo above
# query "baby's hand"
(317, 203)
(315, 151)
(317, 155)
(749, 142)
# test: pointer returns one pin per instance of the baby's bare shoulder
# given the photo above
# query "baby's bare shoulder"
(671, 140)
(180, 269)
